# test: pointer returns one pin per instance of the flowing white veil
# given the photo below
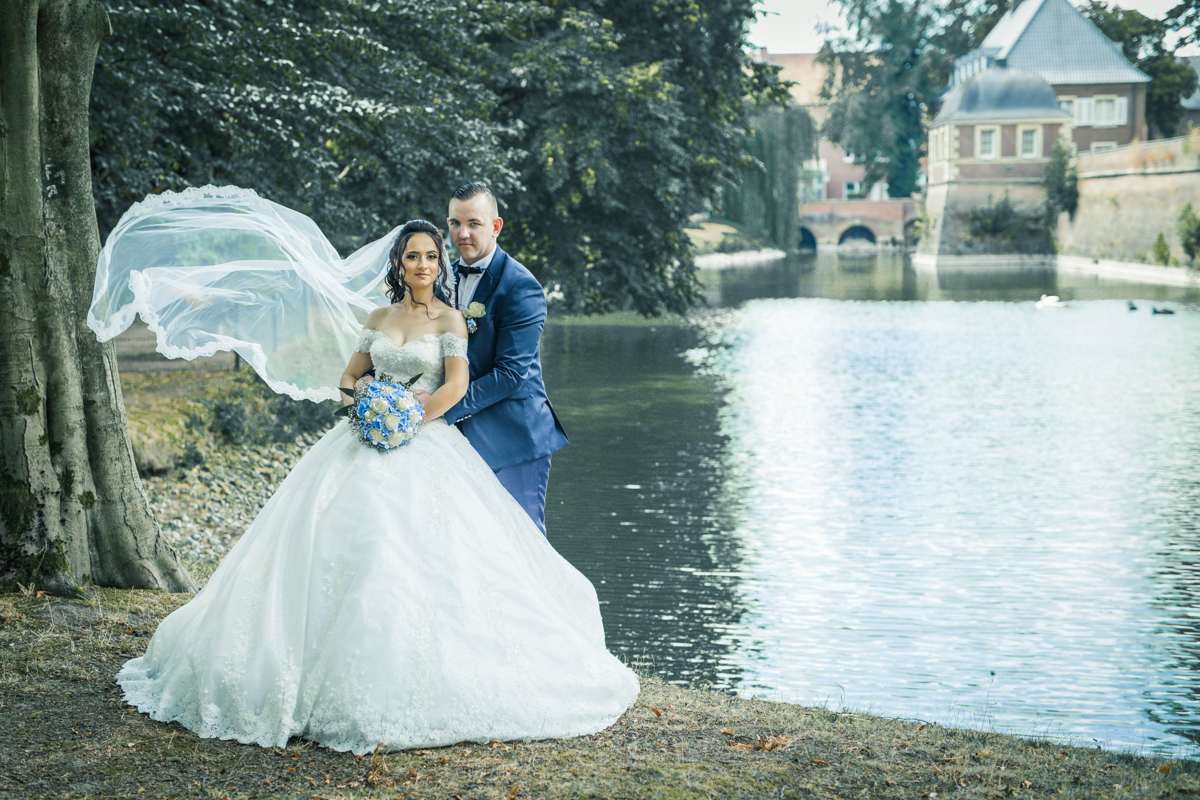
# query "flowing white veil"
(220, 268)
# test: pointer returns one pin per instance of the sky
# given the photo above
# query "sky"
(788, 26)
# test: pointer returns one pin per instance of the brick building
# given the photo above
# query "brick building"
(992, 137)
(1093, 82)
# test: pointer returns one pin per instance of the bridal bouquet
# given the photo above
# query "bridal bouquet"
(385, 413)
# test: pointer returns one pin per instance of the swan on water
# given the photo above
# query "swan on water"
(1050, 301)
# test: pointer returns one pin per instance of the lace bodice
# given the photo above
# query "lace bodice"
(425, 354)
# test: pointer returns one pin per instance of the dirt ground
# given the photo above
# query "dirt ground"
(65, 732)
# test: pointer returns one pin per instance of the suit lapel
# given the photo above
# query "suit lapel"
(491, 277)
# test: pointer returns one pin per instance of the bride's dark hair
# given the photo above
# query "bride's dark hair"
(398, 288)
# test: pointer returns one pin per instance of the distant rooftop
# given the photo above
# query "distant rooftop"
(998, 94)
(1052, 39)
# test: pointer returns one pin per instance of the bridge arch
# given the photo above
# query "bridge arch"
(857, 234)
(808, 241)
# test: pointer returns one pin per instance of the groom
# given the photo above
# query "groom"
(505, 414)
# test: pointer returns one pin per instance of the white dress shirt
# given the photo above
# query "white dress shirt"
(467, 290)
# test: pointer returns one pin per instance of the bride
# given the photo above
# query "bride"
(394, 597)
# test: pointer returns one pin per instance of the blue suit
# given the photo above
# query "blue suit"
(505, 414)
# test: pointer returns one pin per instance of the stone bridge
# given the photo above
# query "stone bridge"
(827, 222)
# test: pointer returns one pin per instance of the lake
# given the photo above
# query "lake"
(848, 483)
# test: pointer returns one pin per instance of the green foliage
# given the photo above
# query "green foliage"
(1061, 180)
(1001, 227)
(251, 414)
(1162, 250)
(1142, 41)
(359, 115)
(629, 118)
(767, 201)
(1188, 228)
(885, 76)
(601, 126)
(1184, 19)
(739, 242)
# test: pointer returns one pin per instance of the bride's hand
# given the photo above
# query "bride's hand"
(423, 397)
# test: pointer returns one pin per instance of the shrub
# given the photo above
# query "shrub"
(1001, 227)
(1189, 231)
(252, 414)
(1061, 180)
(1162, 250)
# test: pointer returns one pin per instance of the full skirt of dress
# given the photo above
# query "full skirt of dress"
(400, 598)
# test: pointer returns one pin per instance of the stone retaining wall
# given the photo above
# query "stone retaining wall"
(1128, 195)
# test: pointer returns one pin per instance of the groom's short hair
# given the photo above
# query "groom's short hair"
(469, 190)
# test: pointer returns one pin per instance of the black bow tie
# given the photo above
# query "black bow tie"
(463, 269)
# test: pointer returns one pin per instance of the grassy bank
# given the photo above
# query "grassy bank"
(64, 732)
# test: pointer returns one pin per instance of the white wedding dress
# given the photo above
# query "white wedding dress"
(398, 597)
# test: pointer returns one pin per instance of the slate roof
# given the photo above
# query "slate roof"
(1052, 39)
(998, 94)
(1192, 103)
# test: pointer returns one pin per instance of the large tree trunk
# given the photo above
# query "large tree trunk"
(72, 507)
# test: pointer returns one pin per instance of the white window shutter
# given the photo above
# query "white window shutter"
(1083, 111)
(1122, 111)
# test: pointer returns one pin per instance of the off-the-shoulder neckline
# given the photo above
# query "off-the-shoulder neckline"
(398, 345)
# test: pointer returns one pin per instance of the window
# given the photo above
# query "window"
(852, 188)
(987, 142)
(1067, 104)
(848, 158)
(1029, 142)
(1111, 110)
(1083, 111)
(1098, 146)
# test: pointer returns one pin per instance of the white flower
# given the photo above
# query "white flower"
(396, 439)
(379, 405)
(414, 417)
(376, 435)
(391, 422)
(475, 311)
(370, 415)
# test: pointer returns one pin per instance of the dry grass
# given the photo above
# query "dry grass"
(64, 732)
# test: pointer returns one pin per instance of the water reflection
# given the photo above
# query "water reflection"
(889, 275)
(974, 512)
(646, 498)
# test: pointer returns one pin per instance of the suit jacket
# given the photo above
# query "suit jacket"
(505, 414)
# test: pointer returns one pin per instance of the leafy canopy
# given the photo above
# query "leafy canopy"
(601, 126)
(885, 76)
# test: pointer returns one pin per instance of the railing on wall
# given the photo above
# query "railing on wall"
(1178, 154)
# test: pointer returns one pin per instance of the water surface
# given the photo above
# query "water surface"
(854, 484)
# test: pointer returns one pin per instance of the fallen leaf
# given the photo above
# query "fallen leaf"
(921, 729)
(739, 746)
(1165, 769)
(816, 762)
(513, 791)
(772, 743)
(1026, 784)
(890, 782)
(728, 731)
(657, 713)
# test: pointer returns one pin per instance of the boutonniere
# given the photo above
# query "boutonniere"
(474, 311)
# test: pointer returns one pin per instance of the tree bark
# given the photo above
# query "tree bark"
(72, 506)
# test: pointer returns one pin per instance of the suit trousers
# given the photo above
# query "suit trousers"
(526, 482)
